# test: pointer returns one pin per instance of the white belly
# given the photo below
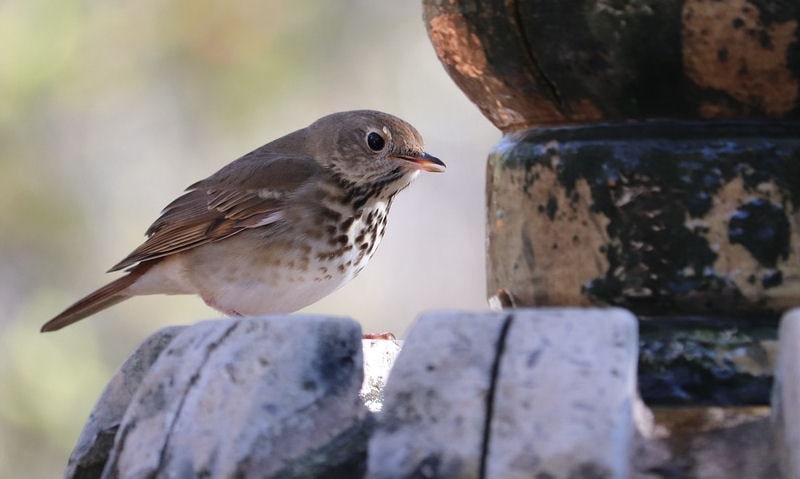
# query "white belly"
(240, 289)
(244, 275)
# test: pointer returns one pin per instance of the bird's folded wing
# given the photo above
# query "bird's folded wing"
(254, 195)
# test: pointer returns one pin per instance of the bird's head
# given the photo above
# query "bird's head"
(366, 146)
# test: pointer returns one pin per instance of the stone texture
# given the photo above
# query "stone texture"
(97, 438)
(657, 217)
(514, 394)
(520, 393)
(434, 413)
(786, 396)
(630, 59)
(256, 397)
(379, 356)
(707, 443)
(564, 395)
(706, 360)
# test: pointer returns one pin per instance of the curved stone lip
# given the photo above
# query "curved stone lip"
(620, 60)
(632, 131)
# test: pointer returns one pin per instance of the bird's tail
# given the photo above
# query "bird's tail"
(105, 297)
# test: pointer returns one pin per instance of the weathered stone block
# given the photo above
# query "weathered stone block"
(661, 218)
(514, 394)
(254, 397)
(564, 395)
(433, 418)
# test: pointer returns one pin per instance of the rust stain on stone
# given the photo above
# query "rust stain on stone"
(509, 101)
(547, 243)
(457, 46)
(727, 47)
(584, 110)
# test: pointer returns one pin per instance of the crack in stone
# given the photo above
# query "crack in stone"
(515, 18)
(192, 381)
(500, 348)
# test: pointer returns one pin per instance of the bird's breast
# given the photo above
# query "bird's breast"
(284, 272)
(350, 238)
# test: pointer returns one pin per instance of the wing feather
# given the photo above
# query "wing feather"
(232, 200)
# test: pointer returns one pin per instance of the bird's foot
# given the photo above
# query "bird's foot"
(388, 336)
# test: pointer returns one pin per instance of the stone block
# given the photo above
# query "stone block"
(255, 397)
(523, 393)
(564, 395)
(433, 418)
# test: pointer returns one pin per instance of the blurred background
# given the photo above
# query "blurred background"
(108, 110)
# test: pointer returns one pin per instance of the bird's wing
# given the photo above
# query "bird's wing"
(251, 192)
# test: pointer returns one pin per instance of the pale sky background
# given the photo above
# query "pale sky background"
(108, 110)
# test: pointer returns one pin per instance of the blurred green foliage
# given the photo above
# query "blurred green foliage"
(109, 108)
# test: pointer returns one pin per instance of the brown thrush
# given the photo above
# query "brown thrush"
(280, 227)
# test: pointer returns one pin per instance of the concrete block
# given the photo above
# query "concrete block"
(786, 396)
(433, 418)
(564, 395)
(523, 393)
(255, 397)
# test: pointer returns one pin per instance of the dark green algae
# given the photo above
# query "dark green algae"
(647, 178)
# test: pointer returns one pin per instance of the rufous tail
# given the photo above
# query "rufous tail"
(105, 297)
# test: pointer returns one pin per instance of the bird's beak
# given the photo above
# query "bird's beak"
(423, 161)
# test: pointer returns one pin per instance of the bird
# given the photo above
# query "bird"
(280, 227)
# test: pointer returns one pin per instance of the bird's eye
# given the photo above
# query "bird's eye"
(375, 141)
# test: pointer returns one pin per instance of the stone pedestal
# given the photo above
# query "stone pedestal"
(541, 392)
(650, 159)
